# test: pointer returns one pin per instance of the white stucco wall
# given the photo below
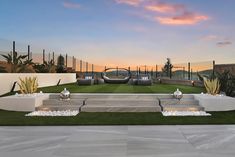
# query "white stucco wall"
(215, 103)
(44, 79)
(22, 103)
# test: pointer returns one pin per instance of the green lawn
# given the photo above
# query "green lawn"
(18, 119)
(120, 88)
(123, 88)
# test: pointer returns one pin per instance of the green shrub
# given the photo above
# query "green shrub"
(227, 83)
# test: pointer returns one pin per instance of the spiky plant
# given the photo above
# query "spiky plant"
(28, 85)
(212, 85)
(17, 63)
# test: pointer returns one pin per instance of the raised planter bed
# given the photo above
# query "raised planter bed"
(22, 103)
(215, 103)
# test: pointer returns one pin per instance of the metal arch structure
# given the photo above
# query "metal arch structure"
(116, 80)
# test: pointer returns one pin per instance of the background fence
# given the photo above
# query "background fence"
(182, 71)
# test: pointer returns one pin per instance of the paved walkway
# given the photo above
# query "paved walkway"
(118, 141)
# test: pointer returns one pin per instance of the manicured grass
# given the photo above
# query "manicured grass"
(18, 119)
(123, 88)
(119, 88)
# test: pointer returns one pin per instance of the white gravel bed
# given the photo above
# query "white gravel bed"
(185, 113)
(66, 113)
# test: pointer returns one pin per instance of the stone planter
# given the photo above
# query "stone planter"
(24, 103)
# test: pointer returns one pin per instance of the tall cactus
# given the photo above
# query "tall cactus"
(212, 85)
(28, 85)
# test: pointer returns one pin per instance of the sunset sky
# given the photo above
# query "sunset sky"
(124, 32)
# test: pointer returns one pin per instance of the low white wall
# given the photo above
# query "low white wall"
(215, 103)
(44, 79)
(22, 103)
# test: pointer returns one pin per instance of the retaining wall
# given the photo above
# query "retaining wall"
(44, 79)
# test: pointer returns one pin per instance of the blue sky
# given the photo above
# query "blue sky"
(124, 32)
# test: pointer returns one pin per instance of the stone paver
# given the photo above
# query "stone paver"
(118, 141)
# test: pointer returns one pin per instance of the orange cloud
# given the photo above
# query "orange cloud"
(164, 7)
(129, 2)
(184, 19)
(71, 5)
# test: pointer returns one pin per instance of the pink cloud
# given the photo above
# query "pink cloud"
(129, 2)
(176, 14)
(186, 18)
(71, 5)
(164, 7)
(209, 37)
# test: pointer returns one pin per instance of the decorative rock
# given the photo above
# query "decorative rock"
(28, 95)
(53, 113)
(185, 113)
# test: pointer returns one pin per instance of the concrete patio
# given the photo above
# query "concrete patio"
(118, 141)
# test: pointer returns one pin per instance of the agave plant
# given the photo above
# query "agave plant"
(28, 85)
(212, 85)
(17, 63)
(46, 67)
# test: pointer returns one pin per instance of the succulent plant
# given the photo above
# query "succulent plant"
(212, 85)
(28, 85)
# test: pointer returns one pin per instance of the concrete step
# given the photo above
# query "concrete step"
(185, 104)
(107, 96)
(178, 102)
(170, 96)
(121, 106)
(51, 102)
(58, 108)
(60, 105)
(121, 96)
(183, 108)
(121, 103)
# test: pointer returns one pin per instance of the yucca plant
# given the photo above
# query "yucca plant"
(212, 85)
(28, 85)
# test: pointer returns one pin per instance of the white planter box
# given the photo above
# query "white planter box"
(215, 103)
(22, 103)
(44, 79)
